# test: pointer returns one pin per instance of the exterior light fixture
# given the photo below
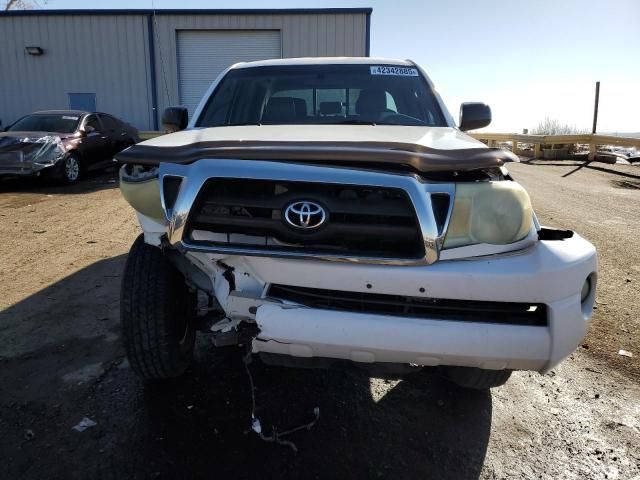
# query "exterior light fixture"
(34, 50)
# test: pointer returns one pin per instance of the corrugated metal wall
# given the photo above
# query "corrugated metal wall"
(109, 55)
(102, 54)
(204, 54)
(303, 35)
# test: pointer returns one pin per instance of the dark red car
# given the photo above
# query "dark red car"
(63, 144)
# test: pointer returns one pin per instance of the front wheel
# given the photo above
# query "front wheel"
(68, 170)
(157, 313)
(476, 378)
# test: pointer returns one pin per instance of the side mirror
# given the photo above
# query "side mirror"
(474, 115)
(86, 130)
(175, 119)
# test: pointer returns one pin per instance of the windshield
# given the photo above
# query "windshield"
(59, 123)
(323, 94)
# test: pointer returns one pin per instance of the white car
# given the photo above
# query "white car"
(325, 209)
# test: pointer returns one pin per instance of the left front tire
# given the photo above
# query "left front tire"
(68, 170)
(157, 312)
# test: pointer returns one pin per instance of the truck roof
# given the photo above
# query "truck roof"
(325, 61)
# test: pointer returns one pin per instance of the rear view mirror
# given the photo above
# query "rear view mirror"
(474, 115)
(175, 119)
(88, 129)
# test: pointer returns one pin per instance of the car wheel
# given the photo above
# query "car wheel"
(476, 378)
(157, 313)
(68, 170)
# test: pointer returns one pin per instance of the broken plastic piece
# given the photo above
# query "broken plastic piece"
(84, 424)
(624, 353)
(255, 425)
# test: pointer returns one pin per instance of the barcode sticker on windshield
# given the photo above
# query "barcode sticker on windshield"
(65, 117)
(402, 71)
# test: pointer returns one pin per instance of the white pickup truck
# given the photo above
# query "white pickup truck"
(326, 209)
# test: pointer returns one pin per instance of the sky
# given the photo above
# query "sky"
(527, 59)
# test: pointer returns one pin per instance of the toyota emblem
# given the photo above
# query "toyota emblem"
(305, 214)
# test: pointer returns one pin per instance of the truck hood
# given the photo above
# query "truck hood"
(420, 148)
(434, 137)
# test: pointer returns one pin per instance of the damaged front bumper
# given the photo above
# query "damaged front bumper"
(30, 157)
(549, 275)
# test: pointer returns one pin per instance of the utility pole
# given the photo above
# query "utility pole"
(593, 148)
(595, 108)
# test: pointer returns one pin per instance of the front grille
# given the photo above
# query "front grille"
(363, 221)
(511, 313)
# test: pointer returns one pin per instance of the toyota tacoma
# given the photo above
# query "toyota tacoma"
(322, 210)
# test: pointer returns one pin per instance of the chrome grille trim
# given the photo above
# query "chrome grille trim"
(196, 174)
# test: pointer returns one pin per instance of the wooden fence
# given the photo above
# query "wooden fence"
(539, 141)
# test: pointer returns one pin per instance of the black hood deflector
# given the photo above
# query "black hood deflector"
(418, 157)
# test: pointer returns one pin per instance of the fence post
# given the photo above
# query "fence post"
(592, 151)
(537, 151)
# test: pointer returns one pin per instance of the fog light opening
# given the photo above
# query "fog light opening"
(586, 290)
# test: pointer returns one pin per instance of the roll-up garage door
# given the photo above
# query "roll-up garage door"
(203, 54)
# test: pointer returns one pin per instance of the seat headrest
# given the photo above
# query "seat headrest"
(330, 108)
(284, 110)
(371, 101)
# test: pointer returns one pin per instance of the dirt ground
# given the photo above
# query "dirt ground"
(61, 257)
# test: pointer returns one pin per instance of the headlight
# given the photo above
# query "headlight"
(496, 213)
(142, 192)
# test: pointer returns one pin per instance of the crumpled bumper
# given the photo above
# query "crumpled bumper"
(45, 153)
(550, 272)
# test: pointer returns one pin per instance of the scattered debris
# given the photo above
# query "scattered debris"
(39, 231)
(256, 426)
(593, 370)
(91, 241)
(624, 353)
(29, 435)
(84, 424)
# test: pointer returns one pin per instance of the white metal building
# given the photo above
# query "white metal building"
(134, 63)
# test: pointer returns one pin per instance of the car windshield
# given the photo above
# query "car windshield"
(323, 94)
(47, 122)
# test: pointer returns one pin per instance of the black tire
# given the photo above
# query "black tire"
(68, 170)
(476, 378)
(157, 313)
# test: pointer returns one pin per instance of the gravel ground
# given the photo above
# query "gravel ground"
(61, 360)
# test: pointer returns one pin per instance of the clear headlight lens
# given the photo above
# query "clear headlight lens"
(496, 213)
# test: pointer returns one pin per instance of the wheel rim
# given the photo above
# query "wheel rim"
(71, 169)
